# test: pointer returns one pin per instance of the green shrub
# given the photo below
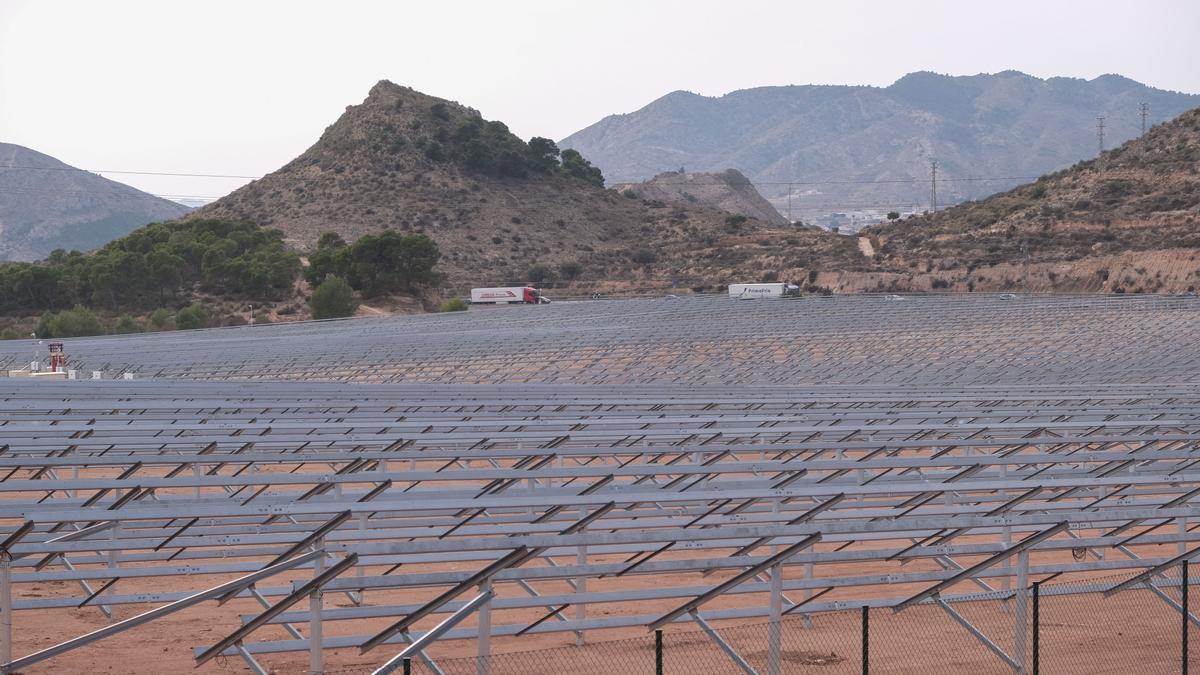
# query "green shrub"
(378, 263)
(191, 317)
(76, 322)
(161, 319)
(570, 270)
(453, 305)
(644, 256)
(333, 299)
(573, 164)
(539, 273)
(9, 333)
(126, 324)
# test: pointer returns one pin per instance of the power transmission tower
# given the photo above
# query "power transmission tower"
(933, 185)
(1100, 132)
(1144, 110)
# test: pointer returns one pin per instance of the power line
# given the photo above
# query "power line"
(129, 173)
(136, 194)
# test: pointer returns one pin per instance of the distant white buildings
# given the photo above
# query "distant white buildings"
(850, 222)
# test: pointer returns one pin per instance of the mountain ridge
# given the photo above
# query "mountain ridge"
(51, 205)
(853, 144)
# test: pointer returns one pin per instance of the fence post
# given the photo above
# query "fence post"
(6, 621)
(866, 640)
(407, 666)
(1184, 597)
(1037, 625)
(658, 655)
(316, 601)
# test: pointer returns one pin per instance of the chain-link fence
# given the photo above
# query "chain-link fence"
(1122, 624)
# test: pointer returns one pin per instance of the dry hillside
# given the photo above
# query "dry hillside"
(1126, 221)
(413, 162)
(498, 206)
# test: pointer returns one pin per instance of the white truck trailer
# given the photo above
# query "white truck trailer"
(772, 291)
(509, 295)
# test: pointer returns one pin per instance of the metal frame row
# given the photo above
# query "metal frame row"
(561, 501)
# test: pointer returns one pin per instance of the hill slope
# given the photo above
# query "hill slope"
(859, 147)
(48, 205)
(727, 190)
(495, 204)
(1126, 221)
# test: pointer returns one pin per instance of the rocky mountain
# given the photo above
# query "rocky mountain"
(727, 190)
(846, 148)
(47, 205)
(498, 206)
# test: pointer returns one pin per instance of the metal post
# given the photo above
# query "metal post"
(1021, 613)
(775, 628)
(5, 607)
(1006, 539)
(1184, 613)
(658, 652)
(407, 666)
(866, 642)
(580, 588)
(315, 635)
(112, 565)
(1037, 626)
(485, 630)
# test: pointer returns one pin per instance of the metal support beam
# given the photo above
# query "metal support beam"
(1152, 572)
(748, 574)
(775, 627)
(418, 646)
(484, 651)
(316, 600)
(145, 617)
(250, 661)
(725, 646)
(983, 639)
(1026, 543)
(1021, 612)
(6, 608)
(294, 597)
(515, 557)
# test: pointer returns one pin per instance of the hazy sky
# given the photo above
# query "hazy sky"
(241, 87)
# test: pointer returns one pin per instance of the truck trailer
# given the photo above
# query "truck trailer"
(510, 295)
(751, 291)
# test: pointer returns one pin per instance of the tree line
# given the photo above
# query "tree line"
(489, 147)
(170, 264)
(152, 266)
